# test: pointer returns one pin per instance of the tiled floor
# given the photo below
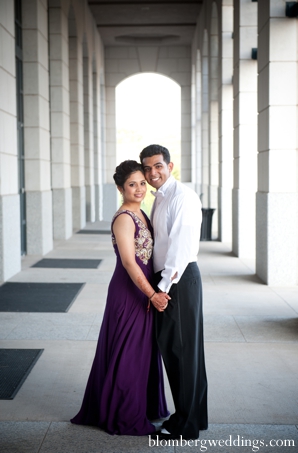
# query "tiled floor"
(251, 345)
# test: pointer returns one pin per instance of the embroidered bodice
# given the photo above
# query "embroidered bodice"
(143, 237)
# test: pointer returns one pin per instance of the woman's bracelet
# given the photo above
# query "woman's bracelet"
(151, 296)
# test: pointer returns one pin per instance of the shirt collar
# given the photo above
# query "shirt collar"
(163, 189)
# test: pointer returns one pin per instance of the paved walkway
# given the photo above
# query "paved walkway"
(251, 345)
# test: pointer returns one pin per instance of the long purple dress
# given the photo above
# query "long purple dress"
(125, 387)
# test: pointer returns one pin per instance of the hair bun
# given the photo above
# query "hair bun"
(124, 170)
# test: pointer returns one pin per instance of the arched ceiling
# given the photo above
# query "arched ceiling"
(141, 22)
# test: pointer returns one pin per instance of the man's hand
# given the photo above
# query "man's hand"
(160, 301)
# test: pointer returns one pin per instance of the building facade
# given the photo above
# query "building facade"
(238, 78)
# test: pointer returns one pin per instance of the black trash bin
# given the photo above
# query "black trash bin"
(206, 227)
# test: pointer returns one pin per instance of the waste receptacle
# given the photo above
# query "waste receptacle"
(206, 227)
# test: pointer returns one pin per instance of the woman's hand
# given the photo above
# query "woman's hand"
(160, 301)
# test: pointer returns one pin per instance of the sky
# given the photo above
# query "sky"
(148, 110)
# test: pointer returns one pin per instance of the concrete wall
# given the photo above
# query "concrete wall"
(276, 228)
(70, 137)
(212, 58)
(123, 62)
(63, 179)
(262, 220)
(10, 260)
(245, 128)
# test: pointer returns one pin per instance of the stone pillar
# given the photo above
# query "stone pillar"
(88, 139)
(60, 140)
(97, 148)
(198, 125)
(114, 75)
(205, 124)
(213, 120)
(10, 246)
(77, 132)
(193, 126)
(183, 77)
(110, 200)
(225, 125)
(276, 231)
(245, 128)
(37, 127)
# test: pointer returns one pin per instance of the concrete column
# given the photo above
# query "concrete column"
(183, 77)
(10, 246)
(193, 125)
(77, 132)
(110, 201)
(36, 127)
(205, 124)
(276, 231)
(88, 139)
(102, 93)
(213, 120)
(60, 140)
(198, 125)
(225, 125)
(97, 148)
(245, 128)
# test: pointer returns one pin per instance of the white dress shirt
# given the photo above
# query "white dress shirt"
(176, 218)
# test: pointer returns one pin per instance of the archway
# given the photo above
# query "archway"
(148, 110)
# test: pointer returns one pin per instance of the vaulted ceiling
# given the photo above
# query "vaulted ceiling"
(155, 22)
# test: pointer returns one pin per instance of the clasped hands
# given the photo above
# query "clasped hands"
(160, 300)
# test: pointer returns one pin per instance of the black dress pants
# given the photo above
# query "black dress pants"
(179, 333)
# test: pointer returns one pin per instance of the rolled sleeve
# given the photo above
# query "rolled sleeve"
(183, 238)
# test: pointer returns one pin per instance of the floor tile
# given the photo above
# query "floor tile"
(22, 437)
(68, 438)
(268, 329)
(221, 328)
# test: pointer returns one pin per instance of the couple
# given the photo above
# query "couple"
(125, 389)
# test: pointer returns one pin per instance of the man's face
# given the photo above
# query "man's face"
(157, 171)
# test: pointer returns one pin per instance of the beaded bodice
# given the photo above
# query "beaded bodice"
(143, 237)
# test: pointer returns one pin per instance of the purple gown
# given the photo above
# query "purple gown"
(125, 387)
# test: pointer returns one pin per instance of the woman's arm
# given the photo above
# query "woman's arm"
(124, 230)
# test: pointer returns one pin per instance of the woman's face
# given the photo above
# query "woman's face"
(135, 188)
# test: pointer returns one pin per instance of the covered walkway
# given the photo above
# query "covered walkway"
(251, 344)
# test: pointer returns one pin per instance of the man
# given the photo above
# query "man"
(176, 217)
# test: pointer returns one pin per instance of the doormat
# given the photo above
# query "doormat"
(15, 366)
(38, 297)
(61, 263)
(94, 232)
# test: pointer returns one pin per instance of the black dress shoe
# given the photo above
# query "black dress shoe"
(164, 436)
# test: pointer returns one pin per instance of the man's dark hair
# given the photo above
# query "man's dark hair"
(153, 150)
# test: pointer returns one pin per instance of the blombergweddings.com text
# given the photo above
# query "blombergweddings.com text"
(231, 441)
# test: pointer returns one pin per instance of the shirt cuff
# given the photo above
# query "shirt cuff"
(163, 286)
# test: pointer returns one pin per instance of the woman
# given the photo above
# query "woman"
(125, 387)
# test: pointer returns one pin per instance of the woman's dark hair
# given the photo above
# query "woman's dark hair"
(153, 150)
(124, 170)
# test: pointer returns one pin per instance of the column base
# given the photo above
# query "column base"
(10, 236)
(110, 201)
(78, 207)
(213, 203)
(98, 202)
(243, 223)
(225, 214)
(205, 196)
(90, 204)
(276, 238)
(62, 213)
(39, 222)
